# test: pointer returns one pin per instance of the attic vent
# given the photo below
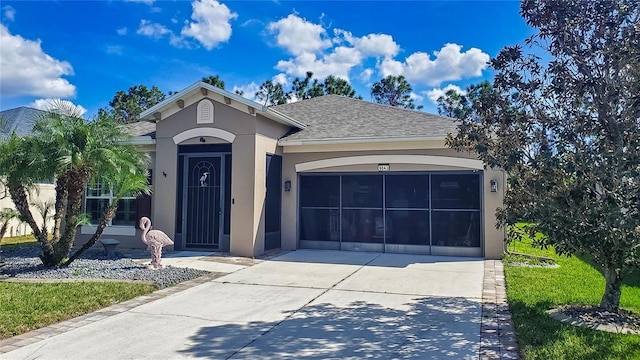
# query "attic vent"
(205, 112)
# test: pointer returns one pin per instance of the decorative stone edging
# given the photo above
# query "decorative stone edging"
(612, 328)
(497, 334)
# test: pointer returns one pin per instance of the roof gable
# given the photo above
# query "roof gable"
(200, 90)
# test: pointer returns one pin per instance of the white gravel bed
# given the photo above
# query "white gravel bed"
(23, 262)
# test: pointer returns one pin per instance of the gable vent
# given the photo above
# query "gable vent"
(205, 112)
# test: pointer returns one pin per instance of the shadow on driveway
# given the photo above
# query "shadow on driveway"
(422, 328)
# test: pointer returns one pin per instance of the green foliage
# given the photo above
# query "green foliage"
(126, 106)
(28, 306)
(74, 151)
(532, 291)
(272, 94)
(214, 80)
(567, 132)
(394, 91)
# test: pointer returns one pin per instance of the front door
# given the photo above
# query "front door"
(201, 202)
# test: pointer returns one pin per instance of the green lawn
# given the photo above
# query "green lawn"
(532, 291)
(28, 306)
(18, 240)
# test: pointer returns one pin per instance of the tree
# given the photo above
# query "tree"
(74, 151)
(6, 215)
(567, 131)
(453, 104)
(214, 80)
(339, 86)
(126, 106)
(394, 91)
(272, 94)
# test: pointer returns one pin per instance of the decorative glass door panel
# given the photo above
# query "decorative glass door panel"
(201, 202)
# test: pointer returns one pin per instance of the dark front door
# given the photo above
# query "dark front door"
(201, 202)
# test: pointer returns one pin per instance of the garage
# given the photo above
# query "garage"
(436, 213)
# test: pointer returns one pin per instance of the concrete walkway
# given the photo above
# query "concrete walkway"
(303, 304)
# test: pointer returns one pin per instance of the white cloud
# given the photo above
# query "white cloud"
(365, 75)
(122, 31)
(280, 79)
(28, 70)
(249, 90)
(9, 12)
(435, 93)
(211, 25)
(415, 97)
(152, 30)
(338, 63)
(148, 2)
(299, 36)
(51, 104)
(449, 64)
(370, 45)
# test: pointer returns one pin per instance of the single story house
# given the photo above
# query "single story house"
(331, 172)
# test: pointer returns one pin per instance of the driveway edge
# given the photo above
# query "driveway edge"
(497, 334)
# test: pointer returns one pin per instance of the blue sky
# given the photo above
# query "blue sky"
(85, 51)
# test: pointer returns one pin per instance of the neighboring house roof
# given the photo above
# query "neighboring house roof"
(198, 86)
(20, 120)
(341, 119)
(142, 128)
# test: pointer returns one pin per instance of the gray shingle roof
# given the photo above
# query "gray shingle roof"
(142, 128)
(20, 120)
(335, 117)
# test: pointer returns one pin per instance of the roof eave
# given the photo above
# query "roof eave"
(356, 140)
(265, 111)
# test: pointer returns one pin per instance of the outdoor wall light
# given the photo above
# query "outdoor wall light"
(202, 139)
(287, 185)
(493, 185)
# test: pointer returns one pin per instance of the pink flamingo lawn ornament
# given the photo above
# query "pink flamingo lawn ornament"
(156, 240)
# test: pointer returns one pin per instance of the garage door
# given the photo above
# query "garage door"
(427, 213)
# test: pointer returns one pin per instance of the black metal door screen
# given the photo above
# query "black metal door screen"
(202, 202)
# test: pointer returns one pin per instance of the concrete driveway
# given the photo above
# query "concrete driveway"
(303, 304)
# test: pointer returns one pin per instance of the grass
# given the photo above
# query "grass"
(18, 240)
(533, 290)
(28, 306)
(25, 306)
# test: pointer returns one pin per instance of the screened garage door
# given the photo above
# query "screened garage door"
(427, 213)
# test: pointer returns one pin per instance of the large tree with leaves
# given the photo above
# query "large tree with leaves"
(126, 106)
(566, 127)
(73, 151)
(394, 91)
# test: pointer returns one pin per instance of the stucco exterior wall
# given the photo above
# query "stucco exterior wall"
(493, 237)
(43, 192)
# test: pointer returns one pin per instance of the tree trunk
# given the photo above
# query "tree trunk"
(3, 228)
(76, 186)
(109, 213)
(61, 199)
(21, 201)
(611, 298)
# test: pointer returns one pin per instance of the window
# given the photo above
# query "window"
(98, 196)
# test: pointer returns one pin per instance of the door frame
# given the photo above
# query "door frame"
(185, 175)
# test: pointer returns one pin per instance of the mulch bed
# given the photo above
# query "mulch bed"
(625, 322)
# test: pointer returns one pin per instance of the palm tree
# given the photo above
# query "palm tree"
(6, 215)
(74, 151)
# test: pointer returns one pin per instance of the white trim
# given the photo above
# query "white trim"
(261, 109)
(348, 140)
(198, 132)
(391, 159)
(201, 118)
(109, 230)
